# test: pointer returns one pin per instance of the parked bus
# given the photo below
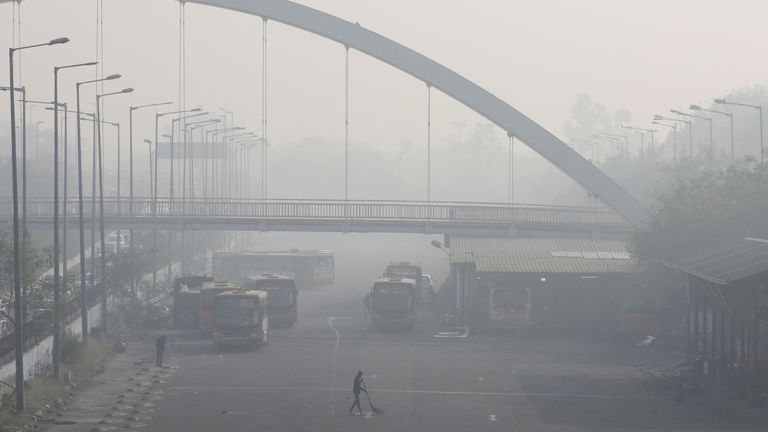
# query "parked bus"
(307, 268)
(240, 318)
(510, 308)
(186, 300)
(283, 299)
(208, 293)
(393, 303)
(405, 270)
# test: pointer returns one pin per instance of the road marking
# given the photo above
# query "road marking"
(218, 358)
(333, 364)
(429, 392)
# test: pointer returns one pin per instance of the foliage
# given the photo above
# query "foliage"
(703, 211)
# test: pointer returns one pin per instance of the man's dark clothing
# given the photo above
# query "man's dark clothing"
(357, 387)
(160, 350)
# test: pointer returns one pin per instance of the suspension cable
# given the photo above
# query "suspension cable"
(510, 168)
(429, 143)
(265, 143)
(346, 123)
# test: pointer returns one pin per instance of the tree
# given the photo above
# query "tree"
(704, 211)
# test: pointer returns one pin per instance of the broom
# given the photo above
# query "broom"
(373, 408)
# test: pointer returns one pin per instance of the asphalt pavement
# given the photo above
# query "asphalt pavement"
(302, 379)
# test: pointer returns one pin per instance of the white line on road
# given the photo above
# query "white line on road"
(430, 392)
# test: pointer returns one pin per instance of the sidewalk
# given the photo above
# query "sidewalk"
(120, 398)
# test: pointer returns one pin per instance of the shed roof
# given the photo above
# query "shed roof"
(543, 255)
(727, 264)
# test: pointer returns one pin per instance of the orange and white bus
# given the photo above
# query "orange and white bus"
(393, 303)
(208, 293)
(240, 318)
(510, 308)
(308, 268)
(283, 298)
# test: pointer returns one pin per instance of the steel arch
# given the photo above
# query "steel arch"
(449, 82)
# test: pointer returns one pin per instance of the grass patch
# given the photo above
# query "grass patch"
(77, 360)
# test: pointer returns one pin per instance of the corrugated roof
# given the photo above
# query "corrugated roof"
(543, 255)
(730, 263)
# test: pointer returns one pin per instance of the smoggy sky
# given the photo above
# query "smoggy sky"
(643, 55)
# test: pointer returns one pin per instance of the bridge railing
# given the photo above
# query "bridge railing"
(438, 211)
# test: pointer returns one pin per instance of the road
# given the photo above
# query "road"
(301, 381)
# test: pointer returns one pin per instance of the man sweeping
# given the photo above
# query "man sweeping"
(357, 387)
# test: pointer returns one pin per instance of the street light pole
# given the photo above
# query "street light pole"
(130, 184)
(711, 140)
(155, 193)
(56, 271)
(759, 109)
(81, 222)
(688, 123)
(18, 298)
(104, 290)
(673, 126)
(730, 117)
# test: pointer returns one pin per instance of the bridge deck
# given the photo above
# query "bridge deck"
(329, 215)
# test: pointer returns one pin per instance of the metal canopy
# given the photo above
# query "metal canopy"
(731, 263)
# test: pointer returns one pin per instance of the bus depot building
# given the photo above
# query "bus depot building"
(726, 320)
(568, 286)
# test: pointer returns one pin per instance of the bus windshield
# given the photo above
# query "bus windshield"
(281, 292)
(236, 311)
(392, 296)
(207, 297)
(404, 271)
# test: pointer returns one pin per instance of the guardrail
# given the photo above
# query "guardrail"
(437, 211)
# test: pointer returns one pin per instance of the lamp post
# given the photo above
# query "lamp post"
(214, 134)
(18, 299)
(711, 140)
(149, 150)
(170, 231)
(56, 272)
(688, 123)
(759, 109)
(593, 145)
(156, 194)
(189, 158)
(673, 126)
(104, 290)
(81, 223)
(130, 180)
(729, 115)
(624, 137)
(613, 140)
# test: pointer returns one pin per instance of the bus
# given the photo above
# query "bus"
(393, 303)
(208, 293)
(283, 299)
(510, 308)
(186, 300)
(405, 270)
(240, 318)
(308, 268)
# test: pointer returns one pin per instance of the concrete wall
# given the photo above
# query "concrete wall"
(38, 359)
